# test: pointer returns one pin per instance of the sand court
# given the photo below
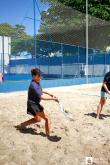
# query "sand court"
(72, 140)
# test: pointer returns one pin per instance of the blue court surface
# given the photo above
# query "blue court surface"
(11, 86)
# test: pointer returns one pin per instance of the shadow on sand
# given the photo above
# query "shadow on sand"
(33, 131)
(93, 114)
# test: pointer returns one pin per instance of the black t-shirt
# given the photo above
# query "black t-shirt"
(34, 92)
(107, 81)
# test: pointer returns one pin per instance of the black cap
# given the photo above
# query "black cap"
(36, 71)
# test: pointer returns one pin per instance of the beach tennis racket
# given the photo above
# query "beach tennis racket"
(66, 113)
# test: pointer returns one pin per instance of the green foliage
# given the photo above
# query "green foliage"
(60, 18)
(97, 8)
(72, 13)
(66, 21)
(20, 40)
(6, 30)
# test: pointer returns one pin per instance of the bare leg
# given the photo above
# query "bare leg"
(37, 118)
(28, 122)
(100, 106)
(47, 122)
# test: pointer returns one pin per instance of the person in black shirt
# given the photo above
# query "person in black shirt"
(105, 91)
(35, 95)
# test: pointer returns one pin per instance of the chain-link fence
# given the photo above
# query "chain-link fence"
(59, 46)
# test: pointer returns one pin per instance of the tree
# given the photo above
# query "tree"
(59, 15)
(20, 40)
(66, 22)
(6, 30)
(19, 28)
(97, 8)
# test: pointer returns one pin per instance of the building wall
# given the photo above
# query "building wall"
(7, 51)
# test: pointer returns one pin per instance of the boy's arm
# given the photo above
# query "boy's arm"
(106, 88)
(47, 93)
(44, 97)
(51, 95)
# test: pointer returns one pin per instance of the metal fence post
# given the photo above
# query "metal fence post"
(3, 56)
(78, 64)
(87, 41)
(62, 74)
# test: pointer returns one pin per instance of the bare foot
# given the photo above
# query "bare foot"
(97, 117)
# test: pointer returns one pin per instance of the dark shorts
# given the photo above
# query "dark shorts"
(33, 108)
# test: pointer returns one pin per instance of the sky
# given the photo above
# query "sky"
(15, 11)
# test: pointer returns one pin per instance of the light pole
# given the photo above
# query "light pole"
(3, 56)
(34, 8)
(86, 41)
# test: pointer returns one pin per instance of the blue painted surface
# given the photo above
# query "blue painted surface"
(9, 86)
(16, 77)
(22, 77)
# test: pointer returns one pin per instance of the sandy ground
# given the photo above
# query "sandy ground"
(72, 140)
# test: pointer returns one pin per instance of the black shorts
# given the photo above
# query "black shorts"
(33, 108)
